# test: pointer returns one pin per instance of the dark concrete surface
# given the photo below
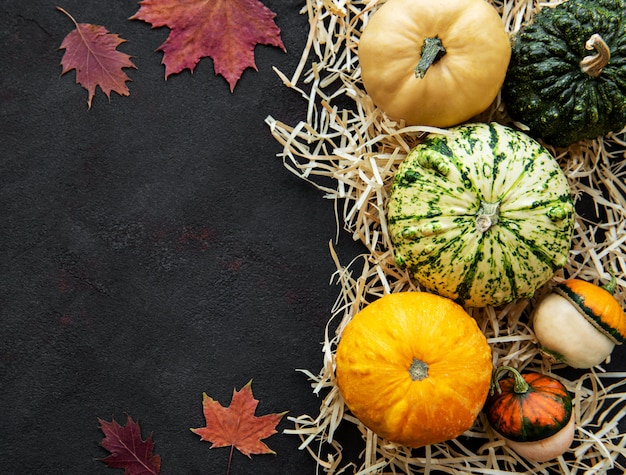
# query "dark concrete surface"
(152, 248)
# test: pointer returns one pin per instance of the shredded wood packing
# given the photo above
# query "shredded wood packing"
(350, 150)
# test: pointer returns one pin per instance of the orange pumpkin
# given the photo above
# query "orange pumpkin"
(532, 412)
(414, 368)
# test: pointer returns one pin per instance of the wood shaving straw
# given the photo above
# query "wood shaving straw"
(350, 150)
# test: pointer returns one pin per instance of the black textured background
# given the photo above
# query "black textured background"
(152, 248)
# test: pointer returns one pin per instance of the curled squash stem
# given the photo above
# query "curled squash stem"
(520, 386)
(611, 285)
(593, 65)
(432, 51)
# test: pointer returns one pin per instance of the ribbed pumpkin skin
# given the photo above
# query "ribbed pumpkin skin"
(539, 413)
(439, 194)
(379, 347)
(460, 85)
(545, 87)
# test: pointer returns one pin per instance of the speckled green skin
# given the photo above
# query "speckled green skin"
(439, 193)
(545, 87)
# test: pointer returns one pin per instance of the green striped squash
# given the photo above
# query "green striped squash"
(481, 214)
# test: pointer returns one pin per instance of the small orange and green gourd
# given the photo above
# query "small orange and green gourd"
(579, 323)
(532, 412)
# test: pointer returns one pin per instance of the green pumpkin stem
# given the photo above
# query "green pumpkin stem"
(612, 284)
(520, 386)
(432, 51)
(592, 65)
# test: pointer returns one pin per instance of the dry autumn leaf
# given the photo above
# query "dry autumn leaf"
(225, 30)
(237, 426)
(128, 450)
(91, 50)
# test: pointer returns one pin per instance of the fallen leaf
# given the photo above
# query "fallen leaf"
(128, 450)
(236, 425)
(91, 50)
(225, 30)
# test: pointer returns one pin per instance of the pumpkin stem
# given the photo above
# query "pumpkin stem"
(612, 284)
(552, 356)
(520, 386)
(432, 50)
(418, 370)
(592, 65)
(487, 216)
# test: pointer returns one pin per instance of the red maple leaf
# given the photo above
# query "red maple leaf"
(128, 450)
(237, 426)
(225, 30)
(91, 50)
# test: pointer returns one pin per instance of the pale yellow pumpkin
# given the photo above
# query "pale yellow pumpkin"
(459, 84)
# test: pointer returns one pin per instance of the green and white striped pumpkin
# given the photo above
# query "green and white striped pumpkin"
(482, 214)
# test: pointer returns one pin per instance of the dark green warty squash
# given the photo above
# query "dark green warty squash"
(567, 76)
